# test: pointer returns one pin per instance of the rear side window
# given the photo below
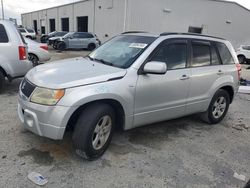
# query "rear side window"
(83, 35)
(215, 58)
(3, 35)
(173, 54)
(225, 54)
(201, 55)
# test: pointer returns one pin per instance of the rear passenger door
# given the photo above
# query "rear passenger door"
(85, 39)
(206, 68)
(74, 41)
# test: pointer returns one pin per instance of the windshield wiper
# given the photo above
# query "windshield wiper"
(103, 61)
(100, 61)
(90, 57)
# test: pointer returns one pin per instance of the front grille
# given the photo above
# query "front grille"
(27, 88)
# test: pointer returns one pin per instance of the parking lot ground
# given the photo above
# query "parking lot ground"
(182, 153)
(57, 55)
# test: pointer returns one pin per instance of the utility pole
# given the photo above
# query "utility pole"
(2, 9)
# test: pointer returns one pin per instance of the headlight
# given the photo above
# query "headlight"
(47, 96)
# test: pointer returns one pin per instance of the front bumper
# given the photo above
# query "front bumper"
(45, 121)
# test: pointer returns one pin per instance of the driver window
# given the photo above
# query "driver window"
(173, 54)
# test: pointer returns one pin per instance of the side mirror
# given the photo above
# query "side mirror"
(155, 67)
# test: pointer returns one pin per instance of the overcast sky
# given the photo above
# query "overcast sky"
(14, 8)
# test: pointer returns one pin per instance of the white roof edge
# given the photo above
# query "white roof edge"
(222, 1)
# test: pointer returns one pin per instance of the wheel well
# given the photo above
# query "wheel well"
(118, 109)
(91, 44)
(241, 55)
(3, 71)
(230, 91)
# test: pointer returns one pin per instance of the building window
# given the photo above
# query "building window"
(35, 25)
(52, 25)
(82, 24)
(65, 24)
(195, 29)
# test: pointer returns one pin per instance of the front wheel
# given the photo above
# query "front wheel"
(94, 130)
(218, 107)
(60, 46)
(91, 46)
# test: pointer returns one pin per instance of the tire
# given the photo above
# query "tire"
(43, 39)
(34, 59)
(60, 46)
(54, 45)
(91, 46)
(242, 59)
(218, 107)
(29, 37)
(2, 81)
(87, 137)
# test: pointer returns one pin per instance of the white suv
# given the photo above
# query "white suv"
(243, 53)
(14, 56)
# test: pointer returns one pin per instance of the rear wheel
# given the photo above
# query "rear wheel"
(2, 81)
(93, 131)
(61, 46)
(218, 107)
(242, 59)
(34, 59)
(91, 46)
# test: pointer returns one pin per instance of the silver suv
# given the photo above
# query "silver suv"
(13, 53)
(77, 40)
(130, 81)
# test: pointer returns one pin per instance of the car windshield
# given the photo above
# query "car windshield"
(61, 34)
(52, 33)
(122, 50)
(67, 35)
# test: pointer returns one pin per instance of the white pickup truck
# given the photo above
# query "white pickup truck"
(243, 53)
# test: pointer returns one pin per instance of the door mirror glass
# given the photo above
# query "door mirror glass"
(155, 67)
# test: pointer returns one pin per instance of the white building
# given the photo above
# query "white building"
(107, 18)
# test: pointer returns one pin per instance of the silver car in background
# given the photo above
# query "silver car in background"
(130, 81)
(78, 40)
(37, 52)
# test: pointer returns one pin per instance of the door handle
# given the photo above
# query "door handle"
(220, 72)
(184, 77)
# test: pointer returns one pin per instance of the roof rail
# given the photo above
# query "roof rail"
(128, 32)
(190, 34)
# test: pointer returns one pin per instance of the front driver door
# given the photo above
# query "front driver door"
(163, 97)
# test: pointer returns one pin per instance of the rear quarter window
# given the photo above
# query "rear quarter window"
(3, 35)
(225, 55)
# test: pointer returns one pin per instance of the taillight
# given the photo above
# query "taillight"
(238, 66)
(22, 53)
(45, 47)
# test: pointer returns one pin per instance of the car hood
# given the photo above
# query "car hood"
(72, 72)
